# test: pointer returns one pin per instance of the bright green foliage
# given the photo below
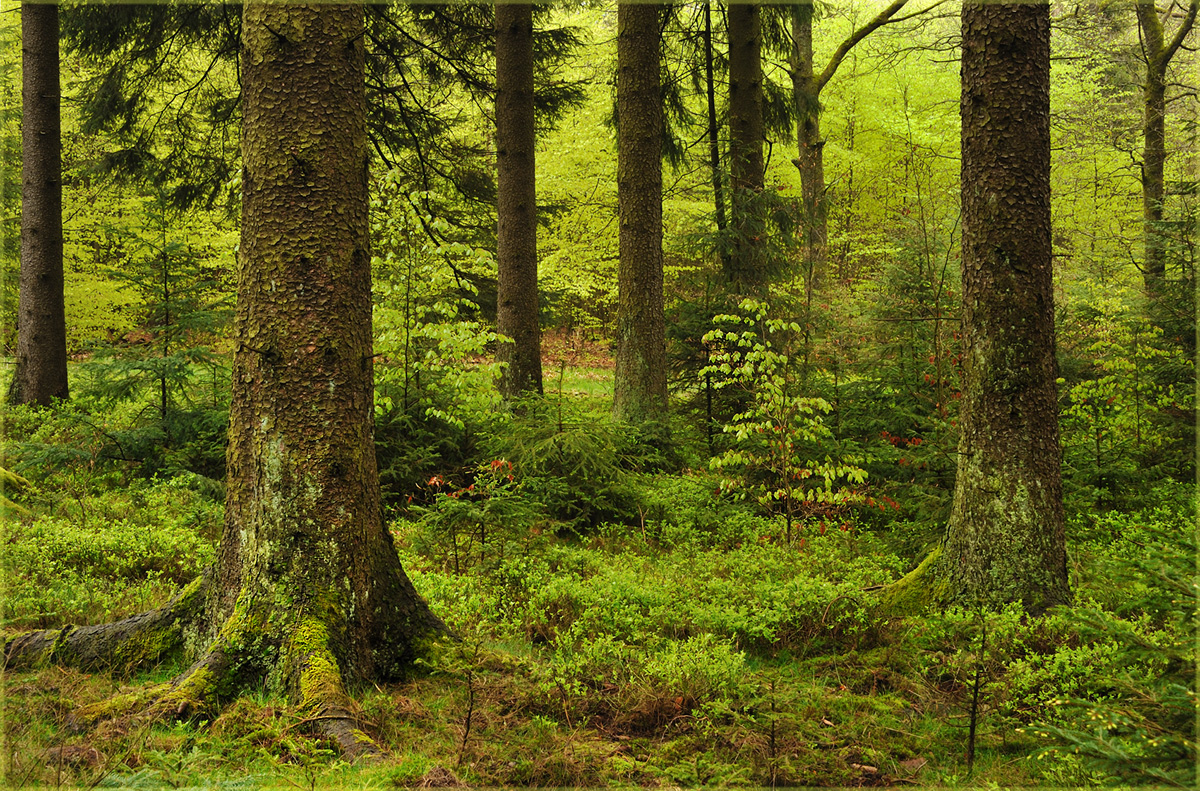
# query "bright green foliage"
(574, 461)
(183, 307)
(478, 523)
(88, 558)
(429, 340)
(1115, 400)
(1136, 723)
(434, 379)
(781, 429)
(10, 176)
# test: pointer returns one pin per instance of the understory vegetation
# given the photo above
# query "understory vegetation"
(621, 620)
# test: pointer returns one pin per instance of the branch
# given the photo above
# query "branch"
(881, 19)
(1185, 27)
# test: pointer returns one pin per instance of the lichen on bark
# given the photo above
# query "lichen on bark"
(1006, 537)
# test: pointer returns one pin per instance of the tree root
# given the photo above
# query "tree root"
(302, 664)
(140, 640)
(915, 592)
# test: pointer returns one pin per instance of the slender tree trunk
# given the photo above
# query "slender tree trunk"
(1006, 534)
(810, 158)
(41, 365)
(640, 388)
(807, 84)
(714, 141)
(1158, 53)
(516, 234)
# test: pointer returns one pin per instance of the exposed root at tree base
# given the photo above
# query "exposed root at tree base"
(140, 640)
(913, 593)
(302, 664)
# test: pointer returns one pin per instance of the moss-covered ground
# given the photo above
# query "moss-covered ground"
(676, 652)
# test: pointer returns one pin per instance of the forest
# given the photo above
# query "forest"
(590, 393)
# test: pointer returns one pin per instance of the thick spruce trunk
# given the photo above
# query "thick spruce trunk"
(516, 199)
(1006, 535)
(308, 595)
(746, 269)
(640, 380)
(41, 365)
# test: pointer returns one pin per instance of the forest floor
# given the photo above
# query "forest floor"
(692, 646)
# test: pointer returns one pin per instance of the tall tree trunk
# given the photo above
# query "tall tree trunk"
(1006, 535)
(714, 140)
(1158, 53)
(747, 265)
(810, 158)
(516, 210)
(640, 387)
(307, 593)
(807, 84)
(41, 365)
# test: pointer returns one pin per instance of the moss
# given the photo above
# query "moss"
(913, 593)
(318, 682)
(58, 652)
(119, 705)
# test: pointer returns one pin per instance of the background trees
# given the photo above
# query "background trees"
(640, 376)
(516, 234)
(813, 429)
(1159, 45)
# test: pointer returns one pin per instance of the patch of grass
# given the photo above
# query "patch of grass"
(691, 645)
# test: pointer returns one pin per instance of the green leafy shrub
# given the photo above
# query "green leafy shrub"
(477, 523)
(574, 462)
(1137, 724)
(778, 435)
(91, 558)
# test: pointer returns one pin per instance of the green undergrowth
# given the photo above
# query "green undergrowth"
(88, 556)
(692, 647)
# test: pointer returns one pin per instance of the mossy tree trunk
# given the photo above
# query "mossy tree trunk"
(640, 379)
(1157, 52)
(516, 203)
(308, 595)
(41, 365)
(1006, 534)
(746, 267)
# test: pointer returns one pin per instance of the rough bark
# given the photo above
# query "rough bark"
(1005, 540)
(640, 379)
(746, 269)
(516, 204)
(810, 158)
(714, 143)
(41, 365)
(1158, 53)
(305, 556)
(308, 594)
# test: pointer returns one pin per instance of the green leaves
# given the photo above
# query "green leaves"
(781, 430)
